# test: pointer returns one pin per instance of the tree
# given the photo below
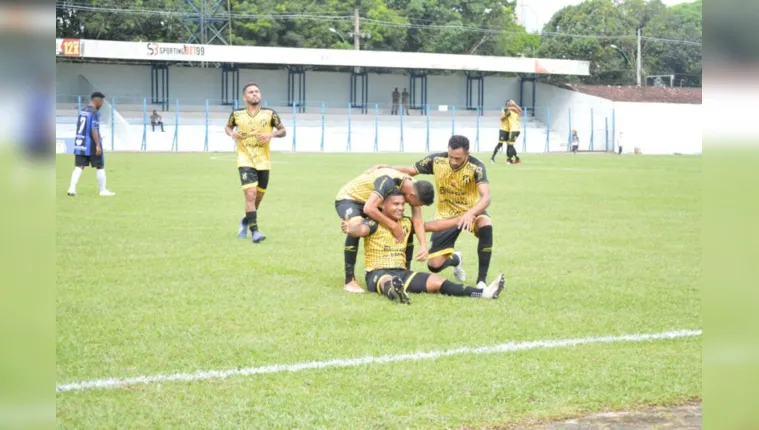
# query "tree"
(482, 27)
(605, 35)
(106, 19)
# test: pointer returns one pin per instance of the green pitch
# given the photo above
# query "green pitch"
(153, 281)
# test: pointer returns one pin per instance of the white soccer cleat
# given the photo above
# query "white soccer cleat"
(494, 289)
(107, 193)
(458, 271)
(71, 193)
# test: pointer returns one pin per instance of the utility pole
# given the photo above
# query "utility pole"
(638, 68)
(356, 30)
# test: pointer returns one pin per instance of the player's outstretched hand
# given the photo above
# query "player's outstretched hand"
(467, 221)
(422, 255)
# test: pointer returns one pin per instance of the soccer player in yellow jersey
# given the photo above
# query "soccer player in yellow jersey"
(388, 262)
(504, 134)
(253, 128)
(363, 196)
(463, 191)
(513, 114)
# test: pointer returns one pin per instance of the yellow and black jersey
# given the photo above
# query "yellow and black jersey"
(456, 189)
(381, 250)
(381, 181)
(505, 126)
(514, 121)
(251, 153)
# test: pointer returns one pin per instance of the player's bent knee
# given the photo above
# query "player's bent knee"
(434, 268)
(484, 221)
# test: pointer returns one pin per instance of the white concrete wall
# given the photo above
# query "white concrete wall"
(666, 129)
(655, 128)
(193, 85)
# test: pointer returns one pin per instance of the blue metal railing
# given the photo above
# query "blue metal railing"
(320, 127)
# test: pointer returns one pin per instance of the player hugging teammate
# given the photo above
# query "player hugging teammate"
(463, 197)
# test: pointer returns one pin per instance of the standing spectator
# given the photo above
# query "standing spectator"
(404, 101)
(575, 141)
(620, 142)
(155, 120)
(396, 97)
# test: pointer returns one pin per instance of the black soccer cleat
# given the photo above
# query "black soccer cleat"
(396, 292)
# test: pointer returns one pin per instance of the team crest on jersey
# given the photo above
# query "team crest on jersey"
(467, 179)
(262, 122)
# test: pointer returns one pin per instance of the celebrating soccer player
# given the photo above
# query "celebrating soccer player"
(252, 127)
(513, 114)
(463, 191)
(387, 261)
(363, 196)
(504, 134)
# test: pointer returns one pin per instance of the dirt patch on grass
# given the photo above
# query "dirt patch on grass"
(687, 416)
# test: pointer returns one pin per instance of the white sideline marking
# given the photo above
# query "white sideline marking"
(352, 362)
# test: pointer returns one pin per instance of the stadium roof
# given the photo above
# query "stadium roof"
(641, 94)
(152, 51)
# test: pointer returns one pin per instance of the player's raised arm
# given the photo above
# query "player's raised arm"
(513, 107)
(383, 186)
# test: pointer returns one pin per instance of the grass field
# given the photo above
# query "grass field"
(154, 282)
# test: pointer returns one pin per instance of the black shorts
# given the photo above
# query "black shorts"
(96, 161)
(250, 177)
(503, 136)
(350, 208)
(513, 136)
(443, 242)
(413, 282)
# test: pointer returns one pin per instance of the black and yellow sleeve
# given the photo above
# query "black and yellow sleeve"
(275, 120)
(425, 165)
(384, 186)
(480, 174)
(231, 122)
(372, 224)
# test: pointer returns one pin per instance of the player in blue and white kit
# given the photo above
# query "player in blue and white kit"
(88, 144)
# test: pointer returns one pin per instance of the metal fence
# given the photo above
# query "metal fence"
(126, 125)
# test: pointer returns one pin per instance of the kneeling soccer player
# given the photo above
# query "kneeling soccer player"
(387, 261)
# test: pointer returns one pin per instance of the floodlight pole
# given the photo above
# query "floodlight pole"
(639, 62)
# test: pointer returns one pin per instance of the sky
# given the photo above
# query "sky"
(538, 12)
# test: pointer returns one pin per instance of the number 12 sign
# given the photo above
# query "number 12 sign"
(68, 48)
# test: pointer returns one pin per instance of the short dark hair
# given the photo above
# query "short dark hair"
(458, 141)
(425, 191)
(250, 84)
(97, 95)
